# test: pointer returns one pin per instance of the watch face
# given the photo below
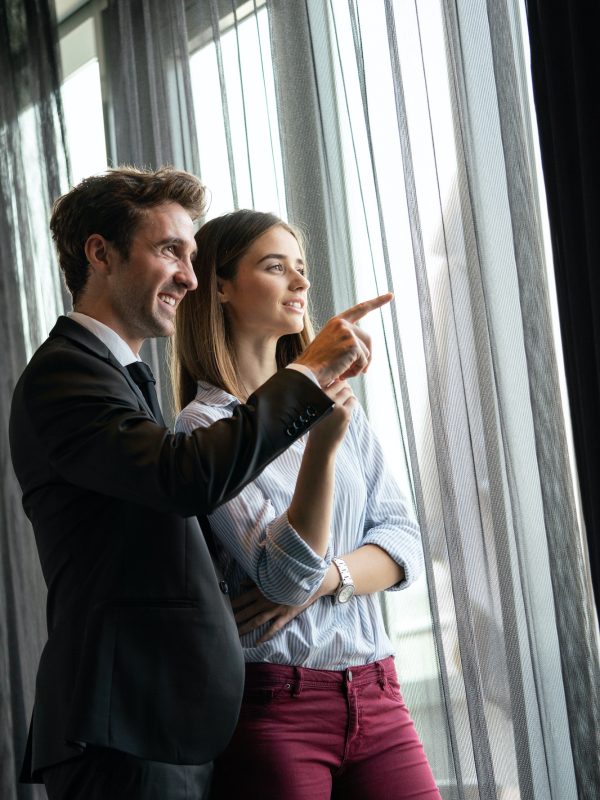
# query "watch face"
(345, 593)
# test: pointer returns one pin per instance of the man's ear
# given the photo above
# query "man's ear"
(98, 252)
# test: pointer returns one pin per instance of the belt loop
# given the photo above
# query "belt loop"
(381, 676)
(297, 681)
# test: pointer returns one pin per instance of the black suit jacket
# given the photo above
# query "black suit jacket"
(143, 653)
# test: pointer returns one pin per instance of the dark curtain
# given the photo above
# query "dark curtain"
(33, 168)
(566, 76)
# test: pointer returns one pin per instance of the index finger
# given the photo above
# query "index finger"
(361, 309)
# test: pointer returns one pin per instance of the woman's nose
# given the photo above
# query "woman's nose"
(301, 281)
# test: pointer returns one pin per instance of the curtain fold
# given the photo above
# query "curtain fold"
(565, 75)
(151, 120)
(312, 159)
(443, 209)
(574, 611)
(33, 172)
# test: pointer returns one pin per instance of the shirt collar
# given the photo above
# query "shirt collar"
(213, 396)
(117, 346)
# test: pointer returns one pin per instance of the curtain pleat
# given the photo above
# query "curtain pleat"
(487, 468)
(574, 608)
(33, 172)
(312, 161)
(565, 75)
(152, 121)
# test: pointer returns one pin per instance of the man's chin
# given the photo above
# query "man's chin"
(159, 329)
(164, 324)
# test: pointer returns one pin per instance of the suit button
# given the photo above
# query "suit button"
(224, 587)
(296, 425)
(303, 419)
(289, 431)
(310, 411)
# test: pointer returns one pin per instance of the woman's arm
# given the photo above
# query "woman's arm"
(278, 556)
(311, 507)
(372, 570)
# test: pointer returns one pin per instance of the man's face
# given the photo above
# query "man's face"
(145, 289)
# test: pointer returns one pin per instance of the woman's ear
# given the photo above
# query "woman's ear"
(222, 291)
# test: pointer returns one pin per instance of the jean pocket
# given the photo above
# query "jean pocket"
(392, 688)
(257, 698)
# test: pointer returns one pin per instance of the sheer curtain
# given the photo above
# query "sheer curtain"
(33, 169)
(150, 120)
(410, 132)
(398, 134)
(565, 72)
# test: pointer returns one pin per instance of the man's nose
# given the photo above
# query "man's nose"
(186, 275)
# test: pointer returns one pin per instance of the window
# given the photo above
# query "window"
(82, 101)
(236, 117)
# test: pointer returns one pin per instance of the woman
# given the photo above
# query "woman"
(318, 534)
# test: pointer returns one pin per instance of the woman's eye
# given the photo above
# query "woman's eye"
(276, 267)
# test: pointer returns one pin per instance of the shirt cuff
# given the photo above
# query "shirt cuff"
(305, 371)
(295, 570)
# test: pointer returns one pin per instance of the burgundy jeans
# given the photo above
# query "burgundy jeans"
(308, 734)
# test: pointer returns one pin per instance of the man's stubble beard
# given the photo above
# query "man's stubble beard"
(142, 322)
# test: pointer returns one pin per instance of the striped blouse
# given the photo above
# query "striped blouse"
(256, 540)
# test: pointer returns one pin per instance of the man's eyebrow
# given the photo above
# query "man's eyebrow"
(178, 241)
(278, 255)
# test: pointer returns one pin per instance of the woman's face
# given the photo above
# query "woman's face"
(267, 297)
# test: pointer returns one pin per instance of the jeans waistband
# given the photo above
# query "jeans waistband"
(260, 674)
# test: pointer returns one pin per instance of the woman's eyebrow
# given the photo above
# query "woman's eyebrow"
(278, 255)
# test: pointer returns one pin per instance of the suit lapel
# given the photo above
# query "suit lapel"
(85, 339)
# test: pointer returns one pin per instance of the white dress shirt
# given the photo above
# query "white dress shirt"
(117, 346)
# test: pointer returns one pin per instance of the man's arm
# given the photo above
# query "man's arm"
(77, 409)
(80, 412)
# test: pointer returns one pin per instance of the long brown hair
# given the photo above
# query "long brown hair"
(202, 348)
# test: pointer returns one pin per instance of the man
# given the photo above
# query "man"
(140, 681)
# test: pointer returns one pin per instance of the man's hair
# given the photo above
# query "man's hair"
(202, 348)
(113, 205)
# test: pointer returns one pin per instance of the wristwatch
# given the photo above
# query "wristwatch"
(346, 589)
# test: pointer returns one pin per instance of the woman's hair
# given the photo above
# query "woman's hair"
(202, 348)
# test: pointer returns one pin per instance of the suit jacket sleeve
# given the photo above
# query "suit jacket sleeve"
(94, 434)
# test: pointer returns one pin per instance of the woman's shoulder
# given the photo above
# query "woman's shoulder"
(210, 404)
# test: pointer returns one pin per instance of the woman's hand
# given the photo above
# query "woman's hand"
(252, 610)
(329, 432)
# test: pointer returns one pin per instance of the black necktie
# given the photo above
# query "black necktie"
(142, 375)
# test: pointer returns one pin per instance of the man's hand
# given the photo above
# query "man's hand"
(252, 609)
(342, 350)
